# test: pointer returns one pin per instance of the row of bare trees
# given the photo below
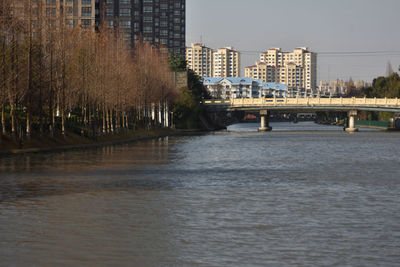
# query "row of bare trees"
(55, 78)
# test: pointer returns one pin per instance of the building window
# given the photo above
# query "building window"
(147, 29)
(86, 2)
(147, 39)
(86, 23)
(125, 12)
(125, 23)
(50, 12)
(148, 19)
(147, 9)
(86, 11)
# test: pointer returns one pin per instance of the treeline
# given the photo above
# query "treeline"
(382, 87)
(55, 78)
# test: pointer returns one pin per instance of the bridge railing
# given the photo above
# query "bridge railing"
(373, 102)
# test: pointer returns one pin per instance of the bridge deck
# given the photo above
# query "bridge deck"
(314, 104)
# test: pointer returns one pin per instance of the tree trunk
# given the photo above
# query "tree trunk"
(108, 121)
(3, 120)
(111, 121)
(126, 122)
(63, 123)
(12, 114)
(104, 120)
(28, 124)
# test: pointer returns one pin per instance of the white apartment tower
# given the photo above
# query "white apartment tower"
(297, 69)
(226, 63)
(199, 58)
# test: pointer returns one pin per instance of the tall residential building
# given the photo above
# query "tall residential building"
(159, 22)
(226, 63)
(297, 69)
(200, 59)
(262, 71)
(53, 12)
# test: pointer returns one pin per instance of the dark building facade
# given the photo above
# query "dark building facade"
(155, 21)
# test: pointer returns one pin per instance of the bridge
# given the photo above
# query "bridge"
(265, 105)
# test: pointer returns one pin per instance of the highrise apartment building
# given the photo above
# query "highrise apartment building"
(159, 22)
(297, 69)
(226, 63)
(200, 59)
(263, 72)
(206, 62)
(70, 13)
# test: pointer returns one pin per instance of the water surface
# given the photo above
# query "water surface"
(301, 195)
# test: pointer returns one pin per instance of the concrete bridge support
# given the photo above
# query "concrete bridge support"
(352, 117)
(264, 114)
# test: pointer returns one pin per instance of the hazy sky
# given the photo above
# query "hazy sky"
(321, 25)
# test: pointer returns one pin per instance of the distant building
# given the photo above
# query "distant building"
(339, 87)
(226, 63)
(200, 59)
(242, 87)
(332, 89)
(159, 22)
(297, 69)
(263, 72)
(362, 84)
(50, 13)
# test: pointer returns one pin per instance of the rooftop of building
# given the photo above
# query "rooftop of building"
(245, 80)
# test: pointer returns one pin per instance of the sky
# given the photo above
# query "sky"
(324, 26)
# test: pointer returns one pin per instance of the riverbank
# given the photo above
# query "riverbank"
(38, 144)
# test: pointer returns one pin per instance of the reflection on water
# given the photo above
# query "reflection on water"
(34, 175)
(303, 194)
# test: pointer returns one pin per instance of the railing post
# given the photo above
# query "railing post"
(365, 100)
(385, 100)
(341, 101)
(374, 100)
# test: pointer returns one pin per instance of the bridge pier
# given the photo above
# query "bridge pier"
(352, 117)
(264, 114)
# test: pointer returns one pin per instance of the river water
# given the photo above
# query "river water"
(301, 195)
